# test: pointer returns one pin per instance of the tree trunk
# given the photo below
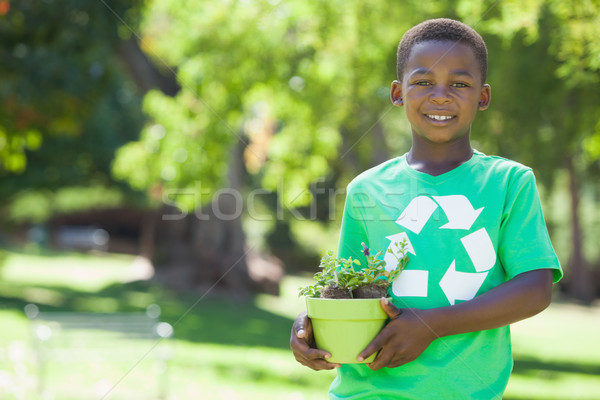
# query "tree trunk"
(220, 241)
(147, 234)
(143, 72)
(579, 283)
(206, 250)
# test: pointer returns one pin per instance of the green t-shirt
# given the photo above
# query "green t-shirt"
(468, 230)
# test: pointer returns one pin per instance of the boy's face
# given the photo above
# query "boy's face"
(441, 91)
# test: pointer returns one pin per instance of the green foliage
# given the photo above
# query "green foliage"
(342, 272)
(55, 79)
(66, 105)
(286, 79)
(329, 265)
(304, 86)
(401, 248)
(544, 53)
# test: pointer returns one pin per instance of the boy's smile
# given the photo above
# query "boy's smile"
(441, 90)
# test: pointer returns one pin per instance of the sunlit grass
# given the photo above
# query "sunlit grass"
(557, 355)
(244, 372)
(223, 349)
(75, 270)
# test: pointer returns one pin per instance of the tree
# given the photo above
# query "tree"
(302, 90)
(55, 79)
(273, 96)
(67, 105)
(284, 84)
(553, 109)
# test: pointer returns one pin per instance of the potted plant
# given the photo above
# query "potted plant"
(343, 303)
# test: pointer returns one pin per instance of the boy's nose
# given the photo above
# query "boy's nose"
(439, 95)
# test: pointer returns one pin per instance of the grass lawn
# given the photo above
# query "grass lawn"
(231, 349)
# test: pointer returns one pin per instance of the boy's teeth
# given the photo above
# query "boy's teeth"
(440, 117)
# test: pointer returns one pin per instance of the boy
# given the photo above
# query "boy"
(480, 255)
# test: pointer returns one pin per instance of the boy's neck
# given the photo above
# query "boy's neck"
(435, 161)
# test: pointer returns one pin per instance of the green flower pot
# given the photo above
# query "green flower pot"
(345, 327)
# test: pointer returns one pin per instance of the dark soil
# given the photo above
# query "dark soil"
(334, 292)
(371, 291)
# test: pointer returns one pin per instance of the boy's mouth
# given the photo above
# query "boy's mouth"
(436, 117)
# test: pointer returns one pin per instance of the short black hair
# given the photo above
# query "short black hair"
(442, 29)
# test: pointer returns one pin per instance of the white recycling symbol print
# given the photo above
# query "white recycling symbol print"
(456, 285)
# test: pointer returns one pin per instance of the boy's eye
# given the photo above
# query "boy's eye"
(422, 83)
(459, 84)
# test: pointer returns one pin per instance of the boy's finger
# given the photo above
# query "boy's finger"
(328, 365)
(391, 310)
(315, 354)
(320, 364)
(373, 347)
(301, 326)
(379, 362)
(383, 359)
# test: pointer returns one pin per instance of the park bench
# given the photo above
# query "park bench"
(108, 356)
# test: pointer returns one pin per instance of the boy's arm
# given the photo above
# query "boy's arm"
(410, 331)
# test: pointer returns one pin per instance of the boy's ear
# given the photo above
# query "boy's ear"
(396, 94)
(485, 97)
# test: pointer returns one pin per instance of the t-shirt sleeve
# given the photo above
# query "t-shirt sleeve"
(353, 230)
(524, 241)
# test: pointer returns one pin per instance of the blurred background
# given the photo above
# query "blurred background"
(193, 156)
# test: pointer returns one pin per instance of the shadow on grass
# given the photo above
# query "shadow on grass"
(544, 370)
(548, 369)
(251, 372)
(213, 319)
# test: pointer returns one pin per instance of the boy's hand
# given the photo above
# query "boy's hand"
(302, 343)
(401, 341)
